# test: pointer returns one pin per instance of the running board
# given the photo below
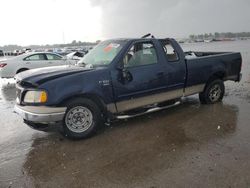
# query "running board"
(148, 111)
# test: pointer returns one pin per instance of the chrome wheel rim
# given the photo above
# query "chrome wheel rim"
(79, 119)
(215, 93)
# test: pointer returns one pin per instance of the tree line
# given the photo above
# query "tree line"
(217, 35)
(73, 43)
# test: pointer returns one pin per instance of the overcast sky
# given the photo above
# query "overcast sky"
(27, 22)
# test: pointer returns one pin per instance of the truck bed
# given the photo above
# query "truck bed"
(201, 65)
(195, 54)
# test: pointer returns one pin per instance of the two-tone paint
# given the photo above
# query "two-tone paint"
(150, 84)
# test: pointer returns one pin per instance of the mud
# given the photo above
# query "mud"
(190, 145)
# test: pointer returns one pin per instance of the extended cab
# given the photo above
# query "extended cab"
(121, 78)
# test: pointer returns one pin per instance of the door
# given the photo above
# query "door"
(55, 60)
(141, 79)
(35, 61)
(176, 66)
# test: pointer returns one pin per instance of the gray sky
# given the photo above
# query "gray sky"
(173, 17)
(54, 21)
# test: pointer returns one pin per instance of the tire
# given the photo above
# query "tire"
(213, 92)
(82, 118)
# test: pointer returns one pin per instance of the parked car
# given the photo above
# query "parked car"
(17, 52)
(26, 50)
(1, 53)
(119, 79)
(75, 55)
(10, 67)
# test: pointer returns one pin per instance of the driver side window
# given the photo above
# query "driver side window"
(141, 53)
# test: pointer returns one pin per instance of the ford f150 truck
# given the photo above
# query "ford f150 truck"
(121, 78)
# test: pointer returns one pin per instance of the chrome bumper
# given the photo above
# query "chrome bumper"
(40, 114)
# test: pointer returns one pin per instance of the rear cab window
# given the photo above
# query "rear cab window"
(170, 52)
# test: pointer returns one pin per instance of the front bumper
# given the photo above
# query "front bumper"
(40, 114)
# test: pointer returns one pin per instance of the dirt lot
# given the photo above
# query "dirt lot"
(190, 145)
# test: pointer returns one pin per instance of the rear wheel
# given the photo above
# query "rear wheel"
(21, 70)
(213, 92)
(81, 119)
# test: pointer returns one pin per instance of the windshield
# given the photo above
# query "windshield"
(103, 54)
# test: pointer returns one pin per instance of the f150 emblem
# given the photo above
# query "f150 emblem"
(104, 82)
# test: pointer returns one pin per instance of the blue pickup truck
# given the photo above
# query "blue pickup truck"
(121, 78)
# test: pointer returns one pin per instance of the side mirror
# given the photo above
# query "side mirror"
(120, 67)
(124, 75)
(124, 64)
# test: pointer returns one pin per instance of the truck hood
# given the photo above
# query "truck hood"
(39, 76)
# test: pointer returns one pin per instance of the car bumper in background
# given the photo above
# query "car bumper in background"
(3, 74)
(40, 114)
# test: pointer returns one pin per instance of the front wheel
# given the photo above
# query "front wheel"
(213, 92)
(81, 119)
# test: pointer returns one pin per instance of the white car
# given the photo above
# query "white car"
(75, 55)
(10, 67)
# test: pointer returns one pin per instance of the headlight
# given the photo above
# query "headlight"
(35, 97)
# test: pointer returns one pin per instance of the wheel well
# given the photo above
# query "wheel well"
(21, 70)
(217, 75)
(101, 104)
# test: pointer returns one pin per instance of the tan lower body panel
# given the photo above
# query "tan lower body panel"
(194, 89)
(156, 98)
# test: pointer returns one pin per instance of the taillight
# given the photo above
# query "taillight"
(3, 65)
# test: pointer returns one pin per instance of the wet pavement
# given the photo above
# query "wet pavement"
(190, 145)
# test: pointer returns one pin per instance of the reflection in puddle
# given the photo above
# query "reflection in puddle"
(140, 147)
